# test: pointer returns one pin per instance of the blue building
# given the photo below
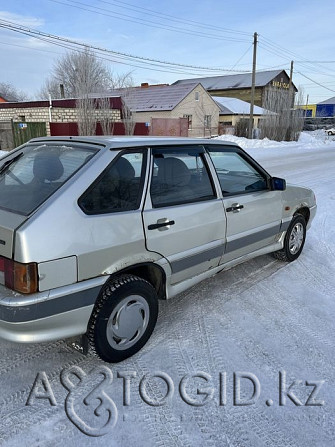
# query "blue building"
(326, 108)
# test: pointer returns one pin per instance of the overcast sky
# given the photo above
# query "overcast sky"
(300, 30)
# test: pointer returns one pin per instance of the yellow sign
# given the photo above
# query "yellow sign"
(280, 84)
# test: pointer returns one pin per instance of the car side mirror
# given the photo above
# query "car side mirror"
(278, 184)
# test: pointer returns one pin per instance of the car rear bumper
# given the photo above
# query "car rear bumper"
(51, 315)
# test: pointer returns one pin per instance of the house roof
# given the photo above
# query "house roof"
(236, 81)
(8, 98)
(154, 98)
(234, 106)
(328, 101)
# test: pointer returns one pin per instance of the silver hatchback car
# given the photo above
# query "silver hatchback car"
(95, 230)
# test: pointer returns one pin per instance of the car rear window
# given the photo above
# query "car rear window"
(36, 171)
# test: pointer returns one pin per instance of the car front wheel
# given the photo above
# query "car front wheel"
(294, 240)
(123, 318)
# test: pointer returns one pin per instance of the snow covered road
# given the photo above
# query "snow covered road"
(270, 323)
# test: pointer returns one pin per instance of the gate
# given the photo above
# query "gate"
(23, 132)
(170, 127)
(6, 136)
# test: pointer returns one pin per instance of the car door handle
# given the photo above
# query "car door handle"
(235, 208)
(162, 224)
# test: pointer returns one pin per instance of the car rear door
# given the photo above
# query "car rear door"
(253, 210)
(184, 220)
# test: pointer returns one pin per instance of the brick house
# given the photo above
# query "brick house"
(233, 110)
(239, 85)
(157, 104)
(51, 112)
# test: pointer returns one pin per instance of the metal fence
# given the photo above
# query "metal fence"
(23, 132)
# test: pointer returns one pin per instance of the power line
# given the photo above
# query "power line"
(248, 49)
(315, 82)
(285, 52)
(318, 62)
(97, 54)
(308, 67)
(148, 23)
(154, 13)
(143, 62)
(327, 82)
(29, 48)
(68, 43)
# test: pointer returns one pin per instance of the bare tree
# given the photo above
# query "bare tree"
(86, 115)
(76, 70)
(128, 110)
(129, 119)
(242, 127)
(51, 88)
(205, 115)
(11, 93)
(106, 118)
(82, 67)
(82, 76)
(281, 122)
(123, 80)
(297, 118)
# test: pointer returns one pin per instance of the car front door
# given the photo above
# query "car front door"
(184, 220)
(253, 210)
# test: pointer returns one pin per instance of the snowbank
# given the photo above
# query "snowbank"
(308, 140)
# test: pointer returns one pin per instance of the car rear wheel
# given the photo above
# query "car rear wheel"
(123, 318)
(294, 240)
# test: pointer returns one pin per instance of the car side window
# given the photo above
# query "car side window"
(179, 176)
(236, 174)
(118, 189)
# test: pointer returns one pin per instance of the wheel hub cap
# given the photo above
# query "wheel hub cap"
(128, 322)
(296, 238)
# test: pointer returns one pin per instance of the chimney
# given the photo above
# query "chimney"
(144, 85)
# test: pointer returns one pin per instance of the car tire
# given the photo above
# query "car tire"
(123, 318)
(330, 133)
(294, 240)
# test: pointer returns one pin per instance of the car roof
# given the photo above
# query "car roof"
(122, 141)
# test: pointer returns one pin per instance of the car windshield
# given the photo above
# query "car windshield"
(36, 172)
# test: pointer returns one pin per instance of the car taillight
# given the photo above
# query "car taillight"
(22, 278)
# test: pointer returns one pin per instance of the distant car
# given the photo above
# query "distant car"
(93, 231)
(330, 131)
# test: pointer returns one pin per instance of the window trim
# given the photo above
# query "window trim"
(197, 150)
(245, 156)
(101, 175)
(28, 145)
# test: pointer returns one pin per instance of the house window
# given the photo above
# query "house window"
(196, 96)
(189, 117)
(22, 118)
(208, 121)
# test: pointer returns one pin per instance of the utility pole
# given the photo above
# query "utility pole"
(306, 107)
(291, 75)
(290, 89)
(253, 81)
